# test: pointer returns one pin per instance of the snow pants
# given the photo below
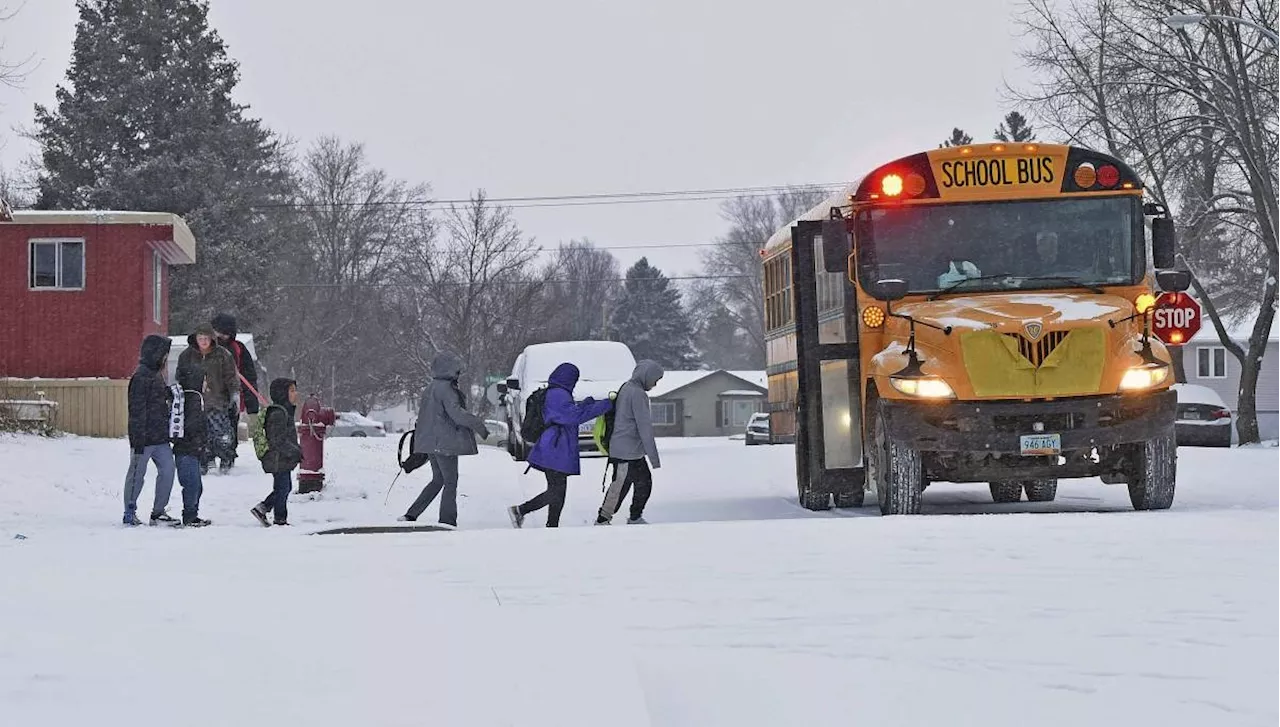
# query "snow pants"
(162, 455)
(627, 473)
(444, 478)
(221, 442)
(551, 498)
(192, 485)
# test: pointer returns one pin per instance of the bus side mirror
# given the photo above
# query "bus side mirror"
(891, 289)
(501, 387)
(513, 384)
(835, 245)
(1174, 281)
(1163, 241)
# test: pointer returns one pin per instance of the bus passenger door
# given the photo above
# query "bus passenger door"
(829, 459)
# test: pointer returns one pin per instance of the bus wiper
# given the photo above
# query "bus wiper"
(1069, 280)
(960, 283)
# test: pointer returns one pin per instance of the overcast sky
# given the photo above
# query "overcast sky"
(564, 97)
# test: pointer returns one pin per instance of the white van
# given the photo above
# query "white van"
(603, 366)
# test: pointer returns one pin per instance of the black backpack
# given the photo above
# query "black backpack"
(532, 425)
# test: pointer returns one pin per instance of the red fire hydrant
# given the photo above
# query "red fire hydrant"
(312, 425)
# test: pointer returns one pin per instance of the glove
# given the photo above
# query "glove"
(613, 396)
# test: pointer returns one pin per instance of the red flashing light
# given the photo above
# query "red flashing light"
(891, 185)
(1108, 175)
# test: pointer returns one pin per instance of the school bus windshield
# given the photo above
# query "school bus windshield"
(988, 247)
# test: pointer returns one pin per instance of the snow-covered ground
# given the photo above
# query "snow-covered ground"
(735, 607)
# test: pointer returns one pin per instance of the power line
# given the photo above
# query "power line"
(575, 200)
(564, 281)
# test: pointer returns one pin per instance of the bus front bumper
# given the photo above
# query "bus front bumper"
(998, 427)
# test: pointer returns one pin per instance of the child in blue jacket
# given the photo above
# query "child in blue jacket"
(556, 452)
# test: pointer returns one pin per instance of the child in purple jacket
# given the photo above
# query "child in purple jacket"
(556, 452)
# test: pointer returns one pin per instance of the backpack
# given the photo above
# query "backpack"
(258, 430)
(602, 432)
(532, 425)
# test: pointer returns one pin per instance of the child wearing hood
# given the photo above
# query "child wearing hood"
(283, 452)
(189, 437)
(444, 432)
(556, 452)
(150, 400)
(631, 442)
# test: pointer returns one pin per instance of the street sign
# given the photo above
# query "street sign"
(1175, 318)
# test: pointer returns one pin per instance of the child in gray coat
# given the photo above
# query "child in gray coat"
(631, 442)
(444, 432)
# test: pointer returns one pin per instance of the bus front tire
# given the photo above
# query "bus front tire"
(1155, 472)
(895, 468)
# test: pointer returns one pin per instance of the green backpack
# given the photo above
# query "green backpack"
(602, 432)
(258, 430)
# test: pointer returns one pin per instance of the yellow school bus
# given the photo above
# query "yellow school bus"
(974, 314)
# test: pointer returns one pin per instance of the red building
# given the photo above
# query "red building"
(80, 290)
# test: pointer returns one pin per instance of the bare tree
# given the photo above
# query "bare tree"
(350, 228)
(1194, 111)
(12, 73)
(473, 288)
(585, 290)
(733, 264)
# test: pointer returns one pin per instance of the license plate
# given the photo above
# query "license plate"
(1041, 443)
(1191, 415)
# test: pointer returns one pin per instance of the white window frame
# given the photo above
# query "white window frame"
(157, 275)
(59, 242)
(729, 408)
(665, 420)
(1216, 353)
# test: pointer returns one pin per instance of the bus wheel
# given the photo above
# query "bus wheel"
(896, 470)
(1041, 490)
(1005, 492)
(1155, 471)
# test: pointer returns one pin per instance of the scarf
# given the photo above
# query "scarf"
(177, 413)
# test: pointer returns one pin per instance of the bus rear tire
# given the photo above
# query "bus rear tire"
(1155, 472)
(895, 468)
(813, 500)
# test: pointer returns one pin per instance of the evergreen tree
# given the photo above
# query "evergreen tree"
(1015, 128)
(651, 318)
(146, 122)
(958, 138)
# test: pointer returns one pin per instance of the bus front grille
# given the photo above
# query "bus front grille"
(1037, 351)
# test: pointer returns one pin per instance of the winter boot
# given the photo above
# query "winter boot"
(162, 517)
(194, 521)
(282, 523)
(517, 517)
(637, 521)
(406, 519)
(131, 520)
(260, 512)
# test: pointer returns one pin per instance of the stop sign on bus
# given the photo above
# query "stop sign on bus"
(1175, 318)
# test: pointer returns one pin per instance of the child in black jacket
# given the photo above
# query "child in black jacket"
(190, 438)
(149, 402)
(283, 452)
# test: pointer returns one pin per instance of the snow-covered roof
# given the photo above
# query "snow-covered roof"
(819, 211)
(1238, 330)
(596, 360)
(676, 380)
(184, 241)
(1194, 394)
(742, 392)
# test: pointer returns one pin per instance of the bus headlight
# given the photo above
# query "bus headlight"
(1140, 378)
(923, 388)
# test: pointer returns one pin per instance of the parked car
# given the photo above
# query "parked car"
(498, 433)
(603, 366)
(758, 429)
(355, 424)
(1203, 418)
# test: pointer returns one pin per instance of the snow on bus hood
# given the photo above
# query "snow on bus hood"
(1004, 311)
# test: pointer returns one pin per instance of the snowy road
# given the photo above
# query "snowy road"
(735, 608)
